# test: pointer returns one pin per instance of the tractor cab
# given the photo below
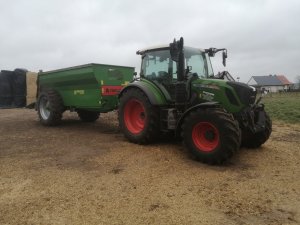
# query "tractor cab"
(159, 67)
(173, 67)
(157, 63)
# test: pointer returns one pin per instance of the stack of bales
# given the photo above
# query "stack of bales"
(31, 88)
(17, 88)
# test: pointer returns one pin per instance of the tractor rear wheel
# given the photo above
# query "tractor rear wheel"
(50, 107)
(255, 140)
(88, 116)
(211, 135)
(138, 118)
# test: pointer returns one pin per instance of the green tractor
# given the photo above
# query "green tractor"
(178, 93)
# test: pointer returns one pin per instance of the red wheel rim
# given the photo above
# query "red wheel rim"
(205, 136)
(134, 116)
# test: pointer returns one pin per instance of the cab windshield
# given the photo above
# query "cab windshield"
(158, 64)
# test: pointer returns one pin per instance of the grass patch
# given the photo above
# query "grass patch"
(283, 106)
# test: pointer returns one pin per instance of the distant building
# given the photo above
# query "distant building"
(287, 84)
(271, 83)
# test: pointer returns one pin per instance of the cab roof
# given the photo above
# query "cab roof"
(161, 47)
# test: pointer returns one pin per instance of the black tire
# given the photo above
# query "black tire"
(255, 140)
(138, 118)
(50, 108)
(88, 116)
(211, 135)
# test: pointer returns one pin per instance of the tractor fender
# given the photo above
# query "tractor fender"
(204, 105)
(155, 97)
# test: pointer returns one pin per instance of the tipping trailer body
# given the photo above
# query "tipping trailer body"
(93, 87)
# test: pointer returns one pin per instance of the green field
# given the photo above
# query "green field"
(283, 106)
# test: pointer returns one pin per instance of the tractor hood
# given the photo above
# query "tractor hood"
(246, 93)
(233, 96)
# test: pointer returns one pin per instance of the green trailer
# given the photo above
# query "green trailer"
(88, 89)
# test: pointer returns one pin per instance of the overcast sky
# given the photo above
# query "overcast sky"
(262, 36)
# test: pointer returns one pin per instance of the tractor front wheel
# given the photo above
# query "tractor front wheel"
(138, 118)
(211, 135)
(255, 140)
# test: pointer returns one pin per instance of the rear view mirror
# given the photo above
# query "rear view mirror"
(224, 56)
(212, 51)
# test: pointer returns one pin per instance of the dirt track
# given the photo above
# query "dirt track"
(89, 174)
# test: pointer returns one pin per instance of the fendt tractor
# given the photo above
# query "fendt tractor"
(176, 93)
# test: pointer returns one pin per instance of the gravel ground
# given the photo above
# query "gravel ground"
(81, 173)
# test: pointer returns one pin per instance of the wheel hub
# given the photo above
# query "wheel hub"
(205, 136)
(134, 116)
(142, 115)
(209, 135)
(44, 107)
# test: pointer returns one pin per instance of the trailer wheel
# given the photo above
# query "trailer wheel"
(138, 118)
(211, 135)
(50, 108)
(88, 116)
(250, 140)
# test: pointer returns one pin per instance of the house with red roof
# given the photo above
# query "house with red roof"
(287, 84)
(270, 83)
